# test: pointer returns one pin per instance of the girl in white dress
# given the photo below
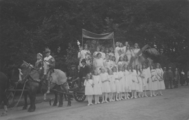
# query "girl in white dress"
(97, 85)
(127, 82)
(145, 77)
(149, 80)
(160, 79)
(98, 61)
(117, 82)
(105, 85)
(89, 91)
(122, 81)
(107, 62)
(128, 53)
(140, 86)
(154, 81)
(112, 85)
(102, 51)
(134, 83)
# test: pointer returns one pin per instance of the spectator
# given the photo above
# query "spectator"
(170, 78)
(176, 78)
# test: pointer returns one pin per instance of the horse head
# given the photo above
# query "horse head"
(24, 71)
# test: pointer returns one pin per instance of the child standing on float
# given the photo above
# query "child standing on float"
(97, 85)
(89, 91)
(105, 85)
(117, 49)
(98, 61)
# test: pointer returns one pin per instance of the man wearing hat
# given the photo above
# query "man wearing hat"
(49, 64)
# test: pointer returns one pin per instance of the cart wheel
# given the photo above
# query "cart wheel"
(79, 96)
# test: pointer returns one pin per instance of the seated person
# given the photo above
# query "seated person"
(83, 53)
(73, 73)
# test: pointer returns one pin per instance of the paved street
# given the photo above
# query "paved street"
(173, 105)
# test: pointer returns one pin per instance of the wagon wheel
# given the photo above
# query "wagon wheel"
(79, 96)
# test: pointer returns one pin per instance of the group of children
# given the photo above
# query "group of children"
(113, 78)
(123, 82)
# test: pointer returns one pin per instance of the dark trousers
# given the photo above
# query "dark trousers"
(166, 83)
(170, 83)
(187, 81)
(182, 81)
(176, 83)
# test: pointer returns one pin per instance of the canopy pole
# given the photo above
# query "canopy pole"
(82, 39)
(113, 42)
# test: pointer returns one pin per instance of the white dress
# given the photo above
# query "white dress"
(105, 83)
(88, 87)
(122, 81)
(148, 75)
(117, 53)
(107, 64)
(154, 80)
(97, 85)
(144, 79)
(127, 81)
(112, 83)
(140, 84)
(134, 80)
(117, 82)
(129, 55)
(161, 84)
(98, 63)
(136, 51)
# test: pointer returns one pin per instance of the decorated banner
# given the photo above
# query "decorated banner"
(91, 35)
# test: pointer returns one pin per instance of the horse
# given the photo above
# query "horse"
(31, 78)
(4, 83)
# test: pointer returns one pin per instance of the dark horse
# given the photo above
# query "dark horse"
(3, 87)
(32, 86)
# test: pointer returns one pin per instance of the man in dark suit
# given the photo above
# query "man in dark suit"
(170, 78)
(84, 70)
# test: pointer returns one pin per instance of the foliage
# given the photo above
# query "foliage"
(28, 26)
(71, 56)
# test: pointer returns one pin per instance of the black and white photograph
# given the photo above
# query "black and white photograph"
(94, 59)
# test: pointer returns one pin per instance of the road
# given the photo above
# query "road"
(173, 105)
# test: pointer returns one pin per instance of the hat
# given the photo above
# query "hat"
(47, 50)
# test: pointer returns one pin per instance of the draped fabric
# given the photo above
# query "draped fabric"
(91, 35)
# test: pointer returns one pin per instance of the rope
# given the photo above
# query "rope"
(21, 93)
